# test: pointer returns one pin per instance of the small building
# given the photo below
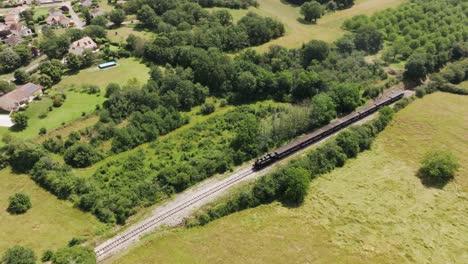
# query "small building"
(97, 12)
(20, 30)
(13, 40)
(59, 20)
(20, 97)
(86, 3)
(79, 46)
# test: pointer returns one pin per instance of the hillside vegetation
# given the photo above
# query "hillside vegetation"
(383, 215)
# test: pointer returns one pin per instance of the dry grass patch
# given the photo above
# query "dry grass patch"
(373, 210)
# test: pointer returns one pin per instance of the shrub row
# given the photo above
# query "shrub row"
(290, 184)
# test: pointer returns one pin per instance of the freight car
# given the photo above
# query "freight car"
(325, 131)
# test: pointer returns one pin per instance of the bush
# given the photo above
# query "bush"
(207, 108)
(19, 255)
(295, 185)
(81, 155)
(47, 255)
(42, 131)
(58, 99)
(75, 254)
(19, 203)
(438, 167)
(20, 120)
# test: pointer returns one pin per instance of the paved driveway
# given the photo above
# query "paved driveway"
(5, 121)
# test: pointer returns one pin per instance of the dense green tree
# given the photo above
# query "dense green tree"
(53, 69)
(54, 46)
(148, 17)
(24, 52)
(117, 16)
(45, 81)
(21, 76)
(20, 120)
(323, 110)
(438, 167)
(19, 255)
(23, 155)
(295, 184)
(346, 96)
(100, 21)
(6, 86)
(315, 50)
(9, 60)
(419, 65)
(311, 11)
(348, 140)
(19, 203)
(73, 61)
(369, 39)
(81, 155)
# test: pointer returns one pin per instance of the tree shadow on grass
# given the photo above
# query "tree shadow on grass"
(305, 22)
(431, 182)
(285, 2)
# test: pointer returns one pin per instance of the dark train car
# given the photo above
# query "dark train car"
(325, 131)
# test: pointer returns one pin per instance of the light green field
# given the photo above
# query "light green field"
(41, 11)
(127, 69)
(464, 84)
(373, 210)
(72, 109)
(49, 224)
(328, 28)
(121, 34)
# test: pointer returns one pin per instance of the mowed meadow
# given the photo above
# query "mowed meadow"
(49, 224)
(328, 28)
(373, 210)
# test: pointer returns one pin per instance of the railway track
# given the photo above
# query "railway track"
(108, 248)
(104, 250)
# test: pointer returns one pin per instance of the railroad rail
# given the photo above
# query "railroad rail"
(103, 250)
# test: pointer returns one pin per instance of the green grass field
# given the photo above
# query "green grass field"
(373, 210)
(49, 224)
(72, 109)
(121, 34)
(328, 28)
(127, 69)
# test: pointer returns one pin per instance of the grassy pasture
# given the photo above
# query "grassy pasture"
(328, 28)
(121, 34)
(373, 210)
(72, 109)
(49, 224)
(127, 69)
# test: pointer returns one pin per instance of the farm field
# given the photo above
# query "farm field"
(328, 27)
(49, 224)
(373, 210)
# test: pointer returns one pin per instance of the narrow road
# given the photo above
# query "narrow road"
(173, 212)
(78, 23)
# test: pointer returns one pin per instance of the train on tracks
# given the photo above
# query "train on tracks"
(325, 131)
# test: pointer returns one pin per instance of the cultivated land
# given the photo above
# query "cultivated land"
(328, 27)
(49, 224)
(373, 210)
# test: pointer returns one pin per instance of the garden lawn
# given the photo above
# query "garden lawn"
(373, 210)
(49, 224)
(328, 27)
(126, 69)
(74, 106)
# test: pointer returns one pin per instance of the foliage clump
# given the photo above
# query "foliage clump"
(19, 255)
(19, 203)
(438, 167)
